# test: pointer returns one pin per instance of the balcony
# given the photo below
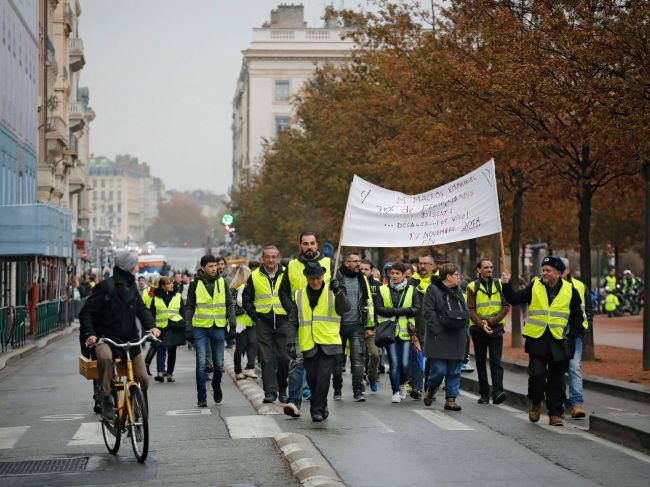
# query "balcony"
(76, 116)
(76, 54)
(51, 57)
(57, 136)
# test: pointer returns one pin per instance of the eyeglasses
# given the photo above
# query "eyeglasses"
(455, 274)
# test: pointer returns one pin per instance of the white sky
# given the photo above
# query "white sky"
(162, 76)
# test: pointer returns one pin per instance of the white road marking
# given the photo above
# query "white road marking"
(376, 422)
(9, 436)
(510, 409)
(63, 417)
(615, 409)
(252, 427)
(441, 420)
(469, 394)
(88, 434)
(188, 412)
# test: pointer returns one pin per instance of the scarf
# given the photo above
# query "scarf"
(399, 287)
(362, 284)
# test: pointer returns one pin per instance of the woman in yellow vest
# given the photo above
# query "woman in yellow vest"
(399, 302)
(246, 333)
(166, 309)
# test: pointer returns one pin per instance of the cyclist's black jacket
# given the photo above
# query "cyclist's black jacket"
(112, 307)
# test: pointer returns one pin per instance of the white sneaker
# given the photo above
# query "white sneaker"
(240, 376)
(397, 398)
(250, 373)
(402, 392)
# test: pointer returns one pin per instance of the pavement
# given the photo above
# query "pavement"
(620, 331)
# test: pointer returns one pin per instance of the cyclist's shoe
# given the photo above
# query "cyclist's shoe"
(147, 365)
(202, 403)
(217, 394)
(108, 407)
(97, 408)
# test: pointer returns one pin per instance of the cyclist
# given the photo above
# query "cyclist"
(110, 311)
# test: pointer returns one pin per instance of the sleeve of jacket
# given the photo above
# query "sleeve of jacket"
(152, 309)
(503, 312)
(430, 314)
(413, 310)
(380, 309)
(293, 324)
(248, 297)
(471, 307)
(94, 305)
(341, 303)
(589, 309)
(523, 296)
(143, 314)
(190, 304)
(230, 309)
(575, 314)
(285, 293)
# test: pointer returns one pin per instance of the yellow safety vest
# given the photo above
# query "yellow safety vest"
(487, 307)
(267, 299)
(610, 282)
(146, 298)
(401, 330)
(370, 318)
(611, 303)
(423, 285)
(164, 312)
(580, 287)
(542, 315)
(210, 310)
(297, 279)
(243, 319)
(320, 326)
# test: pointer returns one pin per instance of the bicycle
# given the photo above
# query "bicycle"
(131, 412)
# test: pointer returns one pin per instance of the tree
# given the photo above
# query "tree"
(177, 221)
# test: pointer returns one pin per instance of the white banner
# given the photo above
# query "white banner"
(463, 209)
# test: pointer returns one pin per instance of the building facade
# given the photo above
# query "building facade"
(125, 197)
(281, 57)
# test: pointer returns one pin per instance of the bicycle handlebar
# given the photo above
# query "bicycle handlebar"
(127, 344)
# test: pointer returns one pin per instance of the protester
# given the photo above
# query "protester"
(246, 332)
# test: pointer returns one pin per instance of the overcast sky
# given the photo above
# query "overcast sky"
(162, 76)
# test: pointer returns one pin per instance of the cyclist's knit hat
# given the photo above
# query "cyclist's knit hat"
(126, 260)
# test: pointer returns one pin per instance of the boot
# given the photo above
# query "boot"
(534, 413)
(429, 396)
(450, 404)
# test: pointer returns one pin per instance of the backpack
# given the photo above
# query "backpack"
(452, 316)
(477, 286)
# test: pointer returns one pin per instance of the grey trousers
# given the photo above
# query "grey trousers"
(104, 355)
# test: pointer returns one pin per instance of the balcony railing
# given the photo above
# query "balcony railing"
(76, 54)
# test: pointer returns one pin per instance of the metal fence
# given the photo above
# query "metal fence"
(12, 327)
(51, 316)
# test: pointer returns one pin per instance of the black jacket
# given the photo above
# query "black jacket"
(271, 319)
(112, 307)
(209, 284)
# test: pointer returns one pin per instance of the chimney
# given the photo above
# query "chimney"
(288, 17)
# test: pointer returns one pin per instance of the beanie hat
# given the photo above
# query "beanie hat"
(126, 260)
(554, 262)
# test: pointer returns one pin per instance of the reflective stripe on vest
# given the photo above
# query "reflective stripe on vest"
(370, 305)
(243, 319)
(265, 297)
(164, 312)
(401, 330)
(580, 287)
(487, 307)
(554, 316)
(610, 283)
(321, 325)
(210, 310)
(297, 279)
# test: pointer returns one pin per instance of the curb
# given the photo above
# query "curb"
(625, 390)
(307, 463)
(37, 345)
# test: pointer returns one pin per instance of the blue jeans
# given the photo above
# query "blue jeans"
(445, 369)
(575, 376)
(399, 354)
(296, 379)
(216, 337)
(170, 354)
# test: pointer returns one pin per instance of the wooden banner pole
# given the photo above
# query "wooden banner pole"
(503, 254)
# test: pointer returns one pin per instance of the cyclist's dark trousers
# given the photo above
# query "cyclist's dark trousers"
(104, 356)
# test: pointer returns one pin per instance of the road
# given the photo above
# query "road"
(47, 412)
(182, 258)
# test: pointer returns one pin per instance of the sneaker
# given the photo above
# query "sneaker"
(306, 394)
(160, 377)
(577, 412)
(374, 387)
(397, 398)
(450, 404)
(415, 394)
(555, 421)
(240, 376)
(429, 396)
(283, 397)
(467, 368)
(108, 407)
(534, 413)
(359, 398)
(499, 397)
(216, 393)
(250, 373)
(290, 409)
(202, 403)
(170, 378)
(337, 395)
(270, 397)
(484, 400)
(402, 391)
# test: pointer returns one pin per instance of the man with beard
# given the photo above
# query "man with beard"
(308, 245)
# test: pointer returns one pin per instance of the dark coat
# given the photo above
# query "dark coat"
(442, 342)
(111, 310)
(270, 319)
(174, 334)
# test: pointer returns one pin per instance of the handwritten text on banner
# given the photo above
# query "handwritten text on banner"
(463, 209)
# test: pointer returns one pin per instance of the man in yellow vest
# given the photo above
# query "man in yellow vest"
(487, 312)
(209, 309)
(268, 306)
(316, 318)
(554, 313)
(308, 246)
(575, 371)
(610, 282)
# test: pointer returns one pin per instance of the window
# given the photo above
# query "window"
(281, 124)
(281, 90)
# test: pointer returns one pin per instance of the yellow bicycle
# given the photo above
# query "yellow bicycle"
(131, 412)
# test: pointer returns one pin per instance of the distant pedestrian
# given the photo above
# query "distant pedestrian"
(245, 332)
(372, 351)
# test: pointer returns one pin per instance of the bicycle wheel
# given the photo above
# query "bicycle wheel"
(112, 433)
(139, 429)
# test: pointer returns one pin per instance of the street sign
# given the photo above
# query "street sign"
(227, 219)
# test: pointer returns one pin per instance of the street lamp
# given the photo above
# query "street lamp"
(646, 268)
